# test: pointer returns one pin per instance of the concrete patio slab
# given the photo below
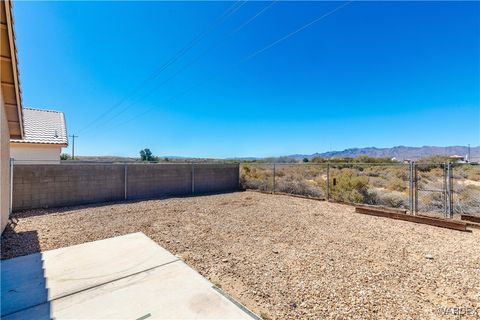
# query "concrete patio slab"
(127, 277)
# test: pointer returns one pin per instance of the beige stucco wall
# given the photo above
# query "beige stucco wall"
(4, 165)
(35, 153)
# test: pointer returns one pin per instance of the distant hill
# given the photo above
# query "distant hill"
(399, 152)
(106, 158)
(162, 159)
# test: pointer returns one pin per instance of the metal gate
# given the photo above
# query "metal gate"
(433, 189)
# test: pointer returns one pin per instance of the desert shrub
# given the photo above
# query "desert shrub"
(311, 172)
(371, 197)
(380, 182)
(466, 199)
(298, 179)
(460, 174)
(470, 172)
(298, 186)
(393, 199)
(431, 201)
(256, 177)
(321, 182)
(474, 173)
(429, 168)
(279, 173)
(255, 184)
(372, 173)
(434, 175)
(436, 159)
(350, 187)
(395, 184)
(401, 173)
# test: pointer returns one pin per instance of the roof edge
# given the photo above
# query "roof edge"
(23, 142)
(44, 110)
(13, 54)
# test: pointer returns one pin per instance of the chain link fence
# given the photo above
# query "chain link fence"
(466, 189)
(431, 189)
(257, 177)
(308, 180)
(375, 184)
(436, 189)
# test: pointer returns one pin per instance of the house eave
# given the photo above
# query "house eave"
(10, 83)
(36, 144)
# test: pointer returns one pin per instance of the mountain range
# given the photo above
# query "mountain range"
(398, 152)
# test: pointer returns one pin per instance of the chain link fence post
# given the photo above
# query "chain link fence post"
(449, 190)
(415, 188)
(328, 181)
(411, 187)
(273, 187)
(445, 193)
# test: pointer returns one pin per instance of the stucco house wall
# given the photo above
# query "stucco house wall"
(35, 154)
(4, 165)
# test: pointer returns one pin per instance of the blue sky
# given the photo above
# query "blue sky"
(369, 74)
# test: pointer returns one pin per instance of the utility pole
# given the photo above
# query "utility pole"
(73, 145)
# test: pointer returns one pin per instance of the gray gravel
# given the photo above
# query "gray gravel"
(284, 257)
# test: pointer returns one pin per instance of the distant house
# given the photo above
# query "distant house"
(456, 158)
(45, 134)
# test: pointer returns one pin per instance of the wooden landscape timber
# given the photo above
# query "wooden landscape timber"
(389, 213)
(285, 194)
(473, 225)
(381, 208)
(470, 218)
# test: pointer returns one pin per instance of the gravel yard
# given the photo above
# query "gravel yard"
(284, 257)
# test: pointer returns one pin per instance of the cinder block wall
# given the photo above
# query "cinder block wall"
(155, 180)
(43, 186)
(212, 178)
(55, 185)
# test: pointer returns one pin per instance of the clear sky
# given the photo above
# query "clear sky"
(180, 77)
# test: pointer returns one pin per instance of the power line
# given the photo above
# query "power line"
(231, 10)
(191, 62)
(296, 31)
(247, 58)
(252, 18)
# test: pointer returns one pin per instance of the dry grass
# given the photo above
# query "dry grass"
(285, 257)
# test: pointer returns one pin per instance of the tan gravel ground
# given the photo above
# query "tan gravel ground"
(285, 257)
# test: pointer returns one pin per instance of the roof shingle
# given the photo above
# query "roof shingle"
(43, 126)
